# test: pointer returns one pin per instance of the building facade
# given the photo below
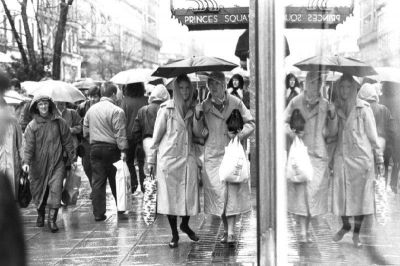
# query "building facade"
(118, 35)
(43, 14)
(379, 32)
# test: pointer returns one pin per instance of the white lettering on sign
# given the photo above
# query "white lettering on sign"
(215, 19)
(293, 17)
(238, 18)
(323, 18)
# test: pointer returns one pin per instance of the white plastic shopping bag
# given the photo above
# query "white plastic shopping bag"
(234, 167)
(298, 167)
(123, 186)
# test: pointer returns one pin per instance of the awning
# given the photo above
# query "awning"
(223, 18)
(316, 18)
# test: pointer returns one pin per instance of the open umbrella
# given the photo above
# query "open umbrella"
(30, 86)
(337, 63)
(14, 98)
(85, 84)
(193, 64)
(133, 76)
(59, 91)
(387, 74)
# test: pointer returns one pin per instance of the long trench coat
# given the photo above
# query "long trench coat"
(45, 139)
(222, 198)
(353, 165)
(11, 154)
(311, 198)
(177, 182)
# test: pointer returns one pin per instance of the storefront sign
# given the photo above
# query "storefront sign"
(225, 18)
(302, 17)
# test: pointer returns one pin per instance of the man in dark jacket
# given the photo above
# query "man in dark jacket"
(84, 150)
(144, 123)
(134, 99)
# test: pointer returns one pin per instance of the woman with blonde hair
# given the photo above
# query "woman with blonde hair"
(174, 159)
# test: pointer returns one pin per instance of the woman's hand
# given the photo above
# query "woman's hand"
(292, 134)
(232, 134)
(151, 167)
(25, 168)
(198, 111)
(331, 111)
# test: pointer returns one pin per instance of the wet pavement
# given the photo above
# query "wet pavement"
(380, 236)
(82, 241)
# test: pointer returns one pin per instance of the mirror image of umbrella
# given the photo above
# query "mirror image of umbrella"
(337, 63)
(193, 64)
(59, 91)
(387, 74)
(86, 83)
(133, 76)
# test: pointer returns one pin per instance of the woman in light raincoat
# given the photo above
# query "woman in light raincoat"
(174, 155)
(309, 199)
(354, 166)
(227, 200)
(46, 136)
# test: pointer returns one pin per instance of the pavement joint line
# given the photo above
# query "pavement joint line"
(134, 245)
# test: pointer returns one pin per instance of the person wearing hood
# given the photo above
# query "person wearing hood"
(173, 157)
(144, 123)
(46, 137)
(356, 153)
(383, 119)
(227, 200)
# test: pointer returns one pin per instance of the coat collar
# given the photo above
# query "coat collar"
(107, 99)
(171, 105)
(209, 106)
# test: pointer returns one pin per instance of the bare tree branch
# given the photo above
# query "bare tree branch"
(16, 35)
(40, 34)
(28, 35)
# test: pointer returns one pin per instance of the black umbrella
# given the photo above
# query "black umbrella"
(193, 64)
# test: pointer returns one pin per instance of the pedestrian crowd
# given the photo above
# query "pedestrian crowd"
(170, 134)
(350, 137)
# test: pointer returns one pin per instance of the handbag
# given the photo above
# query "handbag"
(235, 121)
(24, 191)
(234, 167)
(123, 186)
(70, 192)
(149, 211)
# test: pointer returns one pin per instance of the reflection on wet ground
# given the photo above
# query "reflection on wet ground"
(380, 235)
(82, 241)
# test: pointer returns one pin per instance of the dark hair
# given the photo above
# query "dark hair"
(4, 82)
(239, 78)
(108, 89)
(15, 82)
(134, 90)
(297, 121)
(183, 77)
(94, 91)
(287, 80)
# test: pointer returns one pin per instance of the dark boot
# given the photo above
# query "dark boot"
(186, 229)
(40, 218)
(172, 219)
(51, 220)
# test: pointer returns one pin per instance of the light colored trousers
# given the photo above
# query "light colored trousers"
(147, 143)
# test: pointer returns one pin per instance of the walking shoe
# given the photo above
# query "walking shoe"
(224, 238)
(192, 235)
(174, 242)
(339, 235)
(356, 240)
(122, 215)
(100, 218)
(231, 239)
(40, 218)
(51, 220)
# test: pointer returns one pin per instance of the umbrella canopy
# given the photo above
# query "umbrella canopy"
(193, 64)
(14, 98)
(30, 86)
(133, 76)
(59, 91)
(337, 63)
(387, 74)
(86, 83)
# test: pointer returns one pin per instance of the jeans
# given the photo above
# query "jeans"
(135, 152)
(102, 157)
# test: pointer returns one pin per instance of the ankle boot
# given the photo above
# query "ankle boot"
(51, 220)
(40, 218)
